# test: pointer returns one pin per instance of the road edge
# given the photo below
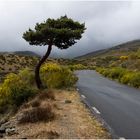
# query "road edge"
(99, 118)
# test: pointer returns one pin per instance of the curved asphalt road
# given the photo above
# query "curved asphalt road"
(118, 105)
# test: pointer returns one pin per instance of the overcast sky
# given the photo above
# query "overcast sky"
(107, 23)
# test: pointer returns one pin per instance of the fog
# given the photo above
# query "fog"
(108, 23)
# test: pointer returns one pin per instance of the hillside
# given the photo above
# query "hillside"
(126, 55)
(27, 53)
(13, 62)
(118, 50)
(10, 62)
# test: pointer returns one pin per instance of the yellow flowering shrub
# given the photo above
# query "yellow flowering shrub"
(123, 58)
(57, 76)
(14, 90)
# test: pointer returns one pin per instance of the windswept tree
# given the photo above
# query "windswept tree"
(62, 33)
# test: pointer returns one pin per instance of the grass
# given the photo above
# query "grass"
(37, 114)
(35, 103)
(46, 94)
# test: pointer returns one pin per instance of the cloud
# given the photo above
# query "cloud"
(108, 23)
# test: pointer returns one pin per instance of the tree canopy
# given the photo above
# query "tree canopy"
(62, 32)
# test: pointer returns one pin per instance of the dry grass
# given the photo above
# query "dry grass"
(35, 103)
(37, 114)
(72, 121)
(46, 95)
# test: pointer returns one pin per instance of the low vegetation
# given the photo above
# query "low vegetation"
(18, 88)
(123, 75)
(13, 62)
(37, 114)
(57, 76)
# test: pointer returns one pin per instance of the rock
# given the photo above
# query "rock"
(2, 130)
(68, 101)
(5, 125)
(10, 131)
(2, 121)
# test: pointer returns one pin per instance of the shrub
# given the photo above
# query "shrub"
(116, 73)
(14, 91)
(56, 76)
(123, 75)
(21, 94)
(37, 114)
(77, 67)
(27, 75)
(126, 78)
(123, 58)
(104, 71)
(135, 80)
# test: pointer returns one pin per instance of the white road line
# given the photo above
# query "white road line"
(83, 96)
(96, 110)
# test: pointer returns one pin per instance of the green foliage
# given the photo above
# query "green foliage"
(135, 81)
(122, 75)
(126, 78)
(77, 67)
(15, 89)
(61, 32)
(116, 73)
(56, 76)
(21, 94)
(103, 71)
(27, 75)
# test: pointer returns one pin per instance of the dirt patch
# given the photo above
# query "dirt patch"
(73, 121)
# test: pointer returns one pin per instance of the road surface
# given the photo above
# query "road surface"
(117, 104)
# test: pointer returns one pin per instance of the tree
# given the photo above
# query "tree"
(62, 33)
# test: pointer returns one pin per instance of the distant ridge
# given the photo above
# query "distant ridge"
(127, 46)
(27, 53)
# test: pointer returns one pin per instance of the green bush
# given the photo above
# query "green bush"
(116, 73)
(126, 78)
(106, 72)
(77, 67)
(122, 75)
(56, 76)
(103, 71)
(135, 80)
(27, 75)
(21, 94)
(14, 90)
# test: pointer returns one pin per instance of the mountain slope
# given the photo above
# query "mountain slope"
(118, 50)
(126, 55)
(27, 53)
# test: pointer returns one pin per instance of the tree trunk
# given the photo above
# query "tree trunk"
(37, 69)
